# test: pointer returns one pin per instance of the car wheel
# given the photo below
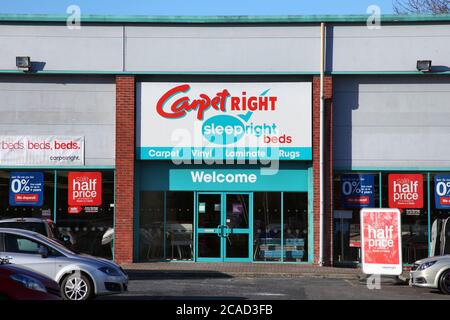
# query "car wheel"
(76, 287)
(444, 282)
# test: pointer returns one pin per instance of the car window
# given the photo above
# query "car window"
(19, 244)
(58, 245)
(38, 227)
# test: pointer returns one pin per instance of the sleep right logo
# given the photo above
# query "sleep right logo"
(226, 129)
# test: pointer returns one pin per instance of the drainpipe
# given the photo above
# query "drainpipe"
(321, 167)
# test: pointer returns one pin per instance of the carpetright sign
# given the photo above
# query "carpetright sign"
(239, 121)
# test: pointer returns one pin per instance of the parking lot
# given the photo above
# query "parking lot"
(267, 288)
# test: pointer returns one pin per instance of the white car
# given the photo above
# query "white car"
(81, 277)
(433, 273)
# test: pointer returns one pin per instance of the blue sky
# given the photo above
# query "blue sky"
(196, 7)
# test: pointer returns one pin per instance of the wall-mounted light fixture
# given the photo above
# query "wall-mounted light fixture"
(424, 65)
(23, 63)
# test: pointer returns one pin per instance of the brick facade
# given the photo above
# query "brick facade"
(125, 150)
(328, 177)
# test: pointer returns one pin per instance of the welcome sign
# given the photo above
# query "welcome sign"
(239, 121)
(237, 180)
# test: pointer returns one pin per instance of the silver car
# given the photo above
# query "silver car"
(81, 277)
(433, 273)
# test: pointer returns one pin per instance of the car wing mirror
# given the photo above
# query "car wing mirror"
(43, 251)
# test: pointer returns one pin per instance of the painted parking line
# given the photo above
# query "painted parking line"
(264, 294)
(351, 283)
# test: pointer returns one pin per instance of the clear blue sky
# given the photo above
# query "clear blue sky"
(196, 7)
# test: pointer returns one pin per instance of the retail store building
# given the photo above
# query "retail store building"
(199, 138)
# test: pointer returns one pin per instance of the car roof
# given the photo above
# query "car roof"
(24, 220)
(19, 231)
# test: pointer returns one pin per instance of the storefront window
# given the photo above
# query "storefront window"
(267, 226)
(86, 225)
(414, 219)
(351, 192)
(179, 228)
(151, 226)
(25, 209)
(295, 220)
(405, 191)
(440, 214)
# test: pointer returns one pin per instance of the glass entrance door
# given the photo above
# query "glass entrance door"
(224, 222)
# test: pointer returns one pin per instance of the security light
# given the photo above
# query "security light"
(424, 65)
(23, 63)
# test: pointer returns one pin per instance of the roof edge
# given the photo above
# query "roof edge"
(223, 19)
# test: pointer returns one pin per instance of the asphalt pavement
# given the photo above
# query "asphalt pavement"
(207, 287)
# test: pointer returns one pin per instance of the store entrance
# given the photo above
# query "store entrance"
(224, 227)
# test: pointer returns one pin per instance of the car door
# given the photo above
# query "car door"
(24, 251)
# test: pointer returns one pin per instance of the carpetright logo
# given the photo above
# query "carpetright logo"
(226, 128)
(180, 105)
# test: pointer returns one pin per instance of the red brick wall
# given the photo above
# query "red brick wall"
(125, 149)
(328, 91)
(328, 178)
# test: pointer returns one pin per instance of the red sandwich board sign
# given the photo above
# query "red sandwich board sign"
(381, 241)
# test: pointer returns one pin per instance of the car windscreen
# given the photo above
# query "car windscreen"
(38, 227)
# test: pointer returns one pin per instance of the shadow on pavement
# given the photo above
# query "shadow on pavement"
(175, 274)
(392, 280)
(435, 291)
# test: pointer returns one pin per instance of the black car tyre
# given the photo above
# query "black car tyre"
(444, 282)
(77, 286)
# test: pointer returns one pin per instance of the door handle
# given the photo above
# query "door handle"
(220, 230)
(6, 259)
(226, 232)
(223, 231)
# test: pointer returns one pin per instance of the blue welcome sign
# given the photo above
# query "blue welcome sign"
(442, 191)
(26, 189)
(357, 191)
(237, 180)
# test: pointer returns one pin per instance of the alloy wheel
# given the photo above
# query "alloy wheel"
(76, 289)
